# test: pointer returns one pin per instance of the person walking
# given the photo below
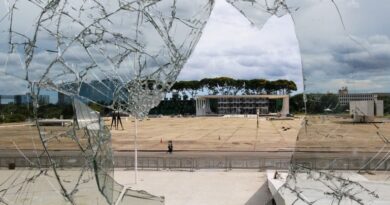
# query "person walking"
(119, 120)
(113, 120)
(170, 147)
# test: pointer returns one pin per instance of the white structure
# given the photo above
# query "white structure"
(240, 104)
(379, 108)
(365, 111)
(56, 122)
(319, 190)
(345, 97)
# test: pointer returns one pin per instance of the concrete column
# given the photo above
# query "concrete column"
(379, 108)
(200, 107)
(197, 107)
(207, 107)
(204, 106)
(286, 106)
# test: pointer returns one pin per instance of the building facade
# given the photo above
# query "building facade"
(43, 99)
(364, 107)
(236, 105)
(15, 99)
(64, 99)
(345, 97)
(242, 105)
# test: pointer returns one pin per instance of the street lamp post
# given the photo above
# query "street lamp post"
(135, 150)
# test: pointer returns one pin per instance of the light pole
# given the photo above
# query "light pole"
(257, 116)
(135, 149)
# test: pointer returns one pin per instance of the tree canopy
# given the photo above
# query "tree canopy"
(230, 86)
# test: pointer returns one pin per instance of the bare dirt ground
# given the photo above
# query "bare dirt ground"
(210, 133)
(321, 133)
(204, 133)
(336, 133)
(24, 136)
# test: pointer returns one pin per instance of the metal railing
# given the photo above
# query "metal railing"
(189, 163)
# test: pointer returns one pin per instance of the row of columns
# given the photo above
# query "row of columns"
(203, 106)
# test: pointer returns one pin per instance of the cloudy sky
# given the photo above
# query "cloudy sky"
(347, 44)
(342, 44)
(231, 46)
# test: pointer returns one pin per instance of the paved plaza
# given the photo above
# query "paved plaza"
(202, 187)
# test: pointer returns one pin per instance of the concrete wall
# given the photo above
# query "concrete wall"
(362, 111)
(379, 108)
(361, 108)
(275, 185)
(365, 111)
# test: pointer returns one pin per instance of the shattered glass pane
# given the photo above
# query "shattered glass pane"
(346, 70)
(258, 11)
(125, 53)
(119, 55)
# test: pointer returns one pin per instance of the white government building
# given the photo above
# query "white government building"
(364, 107)
(240, 104)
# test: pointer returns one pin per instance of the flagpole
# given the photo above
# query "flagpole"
(135, 150)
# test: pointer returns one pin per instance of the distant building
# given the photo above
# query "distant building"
(43, 99)
(22, 99)
(98, 91)
(15, 99)
(345, 97)
(64, 99)
(5, 99)
(242, 104)
(363, 107)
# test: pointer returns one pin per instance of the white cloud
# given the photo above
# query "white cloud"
(231, 46)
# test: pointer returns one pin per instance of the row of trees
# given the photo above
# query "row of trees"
(230, 86)
(20, 113)
(386, 104)
(317, 104)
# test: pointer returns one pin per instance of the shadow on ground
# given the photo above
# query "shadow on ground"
(261, 197)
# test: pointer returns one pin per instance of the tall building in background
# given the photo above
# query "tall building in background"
(22, 99)
(98, 91)
(15, 99)
(44, 99)
(63, 99)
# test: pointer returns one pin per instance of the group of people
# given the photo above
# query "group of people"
(116, 119)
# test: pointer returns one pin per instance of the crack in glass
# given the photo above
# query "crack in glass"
(338, 49)
(126, 54)
(122, 55)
